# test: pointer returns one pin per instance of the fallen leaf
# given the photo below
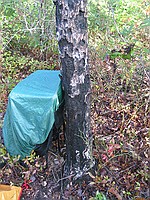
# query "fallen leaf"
(92, 183)
(91, 175)
(114, 192)
(140, 198)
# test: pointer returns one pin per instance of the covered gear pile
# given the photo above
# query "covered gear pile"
(32, 109)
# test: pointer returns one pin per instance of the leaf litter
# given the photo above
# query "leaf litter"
(120, 127)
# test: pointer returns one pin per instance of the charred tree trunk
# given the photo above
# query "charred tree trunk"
(71, 28)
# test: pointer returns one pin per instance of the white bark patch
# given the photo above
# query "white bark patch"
(58, 35)
(77, 156)
(83, 8)
(81, 78)
(78, 171)
(75, 81)
(87, 153)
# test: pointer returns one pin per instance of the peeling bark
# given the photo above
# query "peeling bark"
(71, 28)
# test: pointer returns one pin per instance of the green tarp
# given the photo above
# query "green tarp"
(30, 112)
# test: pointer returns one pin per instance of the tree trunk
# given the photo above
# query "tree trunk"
(71, 28)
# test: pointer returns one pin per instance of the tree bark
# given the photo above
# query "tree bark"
(71, 28)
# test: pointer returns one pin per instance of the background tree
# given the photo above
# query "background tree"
(71, 29)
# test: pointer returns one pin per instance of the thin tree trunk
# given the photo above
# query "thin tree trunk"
(71, 28)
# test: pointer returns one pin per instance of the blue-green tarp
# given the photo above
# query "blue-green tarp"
(30, 111)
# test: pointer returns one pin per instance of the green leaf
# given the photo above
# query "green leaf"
(8, 11)
(115, 55)
(145, 23)
(126, 56)
(100, 196)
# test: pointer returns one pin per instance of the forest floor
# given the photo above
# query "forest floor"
(120, 127)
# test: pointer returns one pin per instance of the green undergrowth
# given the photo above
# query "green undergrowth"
(16, 67)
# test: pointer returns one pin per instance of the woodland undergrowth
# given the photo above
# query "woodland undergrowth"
(120, 79)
